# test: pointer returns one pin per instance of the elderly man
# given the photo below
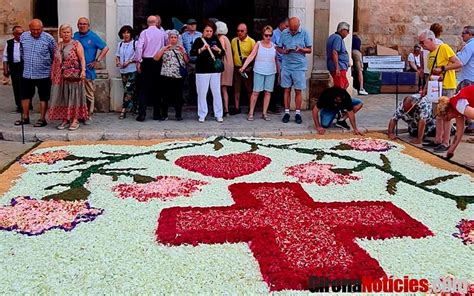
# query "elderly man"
(151, 41)
(466, 56)
(188, 38)
(91, 43)
(13, 64)
(337, 58)
(441, 61)
(417, 113)
(242, 46)
(332, 101)
(295, 43)
(37, 54)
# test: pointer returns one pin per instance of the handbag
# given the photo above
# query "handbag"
(218, 64)
(183, 72)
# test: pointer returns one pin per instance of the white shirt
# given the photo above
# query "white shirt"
(16, 52)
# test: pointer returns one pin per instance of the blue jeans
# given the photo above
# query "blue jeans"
(328, 115)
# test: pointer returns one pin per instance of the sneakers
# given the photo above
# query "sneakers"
(441, 148)
(362, 92)
(342, 124)
(88, 121)
(286, 118)
(201, 119)
(298, 119)
(430, 144)
(220, 119)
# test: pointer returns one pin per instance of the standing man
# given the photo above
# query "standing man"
(358, 65)
(466, 56)
(441, 61)
(150, 42)
(277, 94)
(91, 43)
(188, 38)
(294, 45)
(37, 53)
(337, 58)
(242, 46)
(13, 65)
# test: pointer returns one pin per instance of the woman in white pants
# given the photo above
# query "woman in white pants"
(207, 49)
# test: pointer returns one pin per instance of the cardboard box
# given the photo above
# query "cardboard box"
(384, 51)
(402, 89)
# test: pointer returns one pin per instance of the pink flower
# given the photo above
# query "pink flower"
(49, 157)
(164, 188)
(34, 217)
(368, 144)
(466, 231)
(316, 173)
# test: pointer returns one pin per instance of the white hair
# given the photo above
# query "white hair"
(427, 34)
(221, 28)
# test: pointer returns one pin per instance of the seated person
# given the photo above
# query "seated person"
(460, 107)
(417, 113)
(333, 101)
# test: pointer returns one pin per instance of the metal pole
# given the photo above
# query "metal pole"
(396, 102)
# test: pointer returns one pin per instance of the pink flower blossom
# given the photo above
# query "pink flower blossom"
(317, 173)
(164, 188)
(49, 157)
(368, 144)
(466, 231)
(33, 217)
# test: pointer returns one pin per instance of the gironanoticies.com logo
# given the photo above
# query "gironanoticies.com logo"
(389, 285)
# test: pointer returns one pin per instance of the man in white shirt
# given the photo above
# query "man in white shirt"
(13, 65)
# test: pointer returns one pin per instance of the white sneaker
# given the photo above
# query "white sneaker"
(220, 119)
(201, 119)
(363, 92)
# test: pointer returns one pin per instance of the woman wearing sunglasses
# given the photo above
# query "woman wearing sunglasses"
(265, 68)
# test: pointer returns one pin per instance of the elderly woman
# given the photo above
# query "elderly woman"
(208, 49)
(227, 75)
(265, 68)
(124, 60)
(460, 107)
(174, 57)
(68, 100)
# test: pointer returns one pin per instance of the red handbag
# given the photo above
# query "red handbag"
(71, 74)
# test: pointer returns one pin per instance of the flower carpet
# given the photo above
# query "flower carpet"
(229, 215)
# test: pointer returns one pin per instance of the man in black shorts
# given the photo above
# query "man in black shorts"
(37, 55)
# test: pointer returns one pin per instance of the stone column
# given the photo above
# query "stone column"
(304, 10)
(70, 10)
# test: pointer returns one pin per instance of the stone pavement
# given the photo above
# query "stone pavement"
(106, 126)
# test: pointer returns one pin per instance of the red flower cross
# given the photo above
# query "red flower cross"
(291, 236)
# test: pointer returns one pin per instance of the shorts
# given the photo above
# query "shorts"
(328, 115)
(341, 80)
(263, 82)
(28, 88)
(357, 58)
(295, 78)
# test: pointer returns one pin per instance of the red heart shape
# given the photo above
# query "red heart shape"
(227, 167)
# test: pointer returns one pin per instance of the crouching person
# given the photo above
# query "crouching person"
(333, 102)
(417, 113)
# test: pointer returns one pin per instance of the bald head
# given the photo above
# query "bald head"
(294, 25)
(36, 28)
(151, 21)
(242, 31)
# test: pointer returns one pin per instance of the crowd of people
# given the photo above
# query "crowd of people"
(157, 65)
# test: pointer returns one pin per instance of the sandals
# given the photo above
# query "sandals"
(265, 117)
(123, 115)
(63, 125)
(40, 123)
(74, 126)
(22, 121)
(250, 117)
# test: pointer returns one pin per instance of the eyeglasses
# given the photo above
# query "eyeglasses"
(422, 42)
(464, 33)
(267, 35)
(240, 30)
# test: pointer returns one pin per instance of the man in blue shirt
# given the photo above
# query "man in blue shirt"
(277, 94)
(91, 43)
(294, 45)
(188, 38)
(466, 56)
(37, 52)
(337, 57)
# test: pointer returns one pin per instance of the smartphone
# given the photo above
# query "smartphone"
(244, 75)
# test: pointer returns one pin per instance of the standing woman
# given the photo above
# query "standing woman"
(174, 57)
(125, 61)
(68, 100)
(227, 75)
(207, 49)
(265, 68)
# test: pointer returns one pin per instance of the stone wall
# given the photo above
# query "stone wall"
(397, 22)
(13, 13)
